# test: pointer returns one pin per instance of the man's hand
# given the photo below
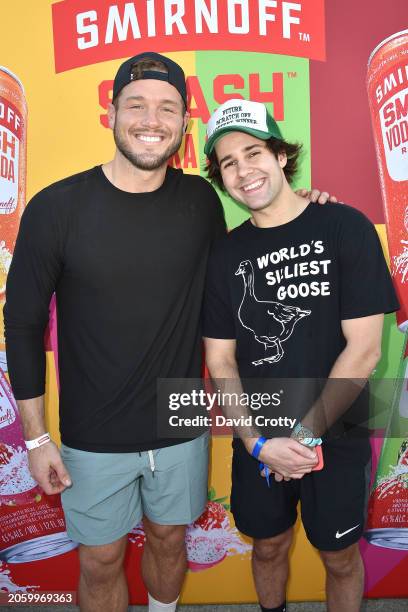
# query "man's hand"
(48, 469)
(287, 458)
(314, 195)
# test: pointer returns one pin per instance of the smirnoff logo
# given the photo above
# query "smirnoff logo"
(391, 82)
(10, 117)
(86, 32)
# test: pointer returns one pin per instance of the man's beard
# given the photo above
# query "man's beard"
(146, 161)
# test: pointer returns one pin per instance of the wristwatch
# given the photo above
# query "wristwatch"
(305, 436)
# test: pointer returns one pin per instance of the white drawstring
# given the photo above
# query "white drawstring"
(151, 459)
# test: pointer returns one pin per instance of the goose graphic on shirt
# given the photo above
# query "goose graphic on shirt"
(275, 325)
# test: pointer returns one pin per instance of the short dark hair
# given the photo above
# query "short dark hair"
(138, 68)
(276, 146)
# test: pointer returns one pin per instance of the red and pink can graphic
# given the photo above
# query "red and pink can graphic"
(387, 523)
(387, 84)
(32, 524)
(13, 153)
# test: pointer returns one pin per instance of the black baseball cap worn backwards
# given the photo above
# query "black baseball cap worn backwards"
(175, 75)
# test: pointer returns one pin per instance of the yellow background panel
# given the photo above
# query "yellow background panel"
(51, 399)
(382, 232)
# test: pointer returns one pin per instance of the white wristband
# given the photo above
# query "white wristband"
(30, 444)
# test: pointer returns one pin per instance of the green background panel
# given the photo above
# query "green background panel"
(296, 124)
(393, 342)
(388, 380)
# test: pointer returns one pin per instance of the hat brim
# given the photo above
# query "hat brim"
(261, 134)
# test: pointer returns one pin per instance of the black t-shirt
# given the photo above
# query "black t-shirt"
(282, 292)
(128, 270)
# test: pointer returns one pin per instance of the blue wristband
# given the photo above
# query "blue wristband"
(262, 466)
(257, 448)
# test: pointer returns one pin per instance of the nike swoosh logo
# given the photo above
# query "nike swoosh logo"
(340, 535)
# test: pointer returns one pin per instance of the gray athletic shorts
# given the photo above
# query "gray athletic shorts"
(111, 492)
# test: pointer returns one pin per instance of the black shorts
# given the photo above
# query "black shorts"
(333, 500)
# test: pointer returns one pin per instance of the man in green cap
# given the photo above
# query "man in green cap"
(298, 291)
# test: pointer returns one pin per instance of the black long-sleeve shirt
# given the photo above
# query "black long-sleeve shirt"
(128, 271)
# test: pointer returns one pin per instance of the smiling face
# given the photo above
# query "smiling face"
(148, 122)
(250, 171)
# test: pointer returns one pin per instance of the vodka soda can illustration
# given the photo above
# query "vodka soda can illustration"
(32, 524)
(209, 539)
(388, 507)
(387, 84)
(13, 151)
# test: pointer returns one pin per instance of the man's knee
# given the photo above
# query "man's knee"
(271, 549)
(102, 563)
(169, 539)
(342, 563)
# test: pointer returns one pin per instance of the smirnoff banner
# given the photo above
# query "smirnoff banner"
(86, 32)
(59, 59)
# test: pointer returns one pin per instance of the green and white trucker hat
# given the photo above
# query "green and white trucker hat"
(241, 116)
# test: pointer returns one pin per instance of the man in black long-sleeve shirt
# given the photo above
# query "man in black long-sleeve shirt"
(124, 246)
